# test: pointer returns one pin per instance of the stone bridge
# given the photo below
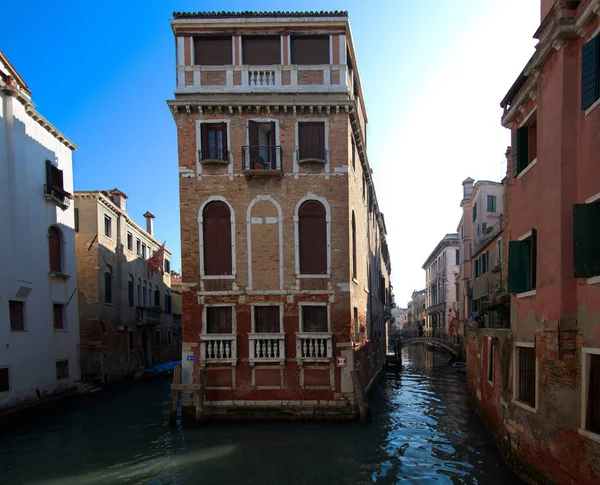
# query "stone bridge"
(448, 345)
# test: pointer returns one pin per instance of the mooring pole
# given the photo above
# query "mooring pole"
(361, 396)
(175, 394)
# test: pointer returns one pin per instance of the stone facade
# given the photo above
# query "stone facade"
(132, 328)
(39, 331)
(289, 372)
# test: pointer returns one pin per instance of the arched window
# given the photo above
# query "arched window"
(144, 294)
(312, 238)
(353, 246)
(139, 292)
(149, 293)
(130, 291)
(167, 302)
(156, 296)
(108, 284)
(217, 239)
(54, 245)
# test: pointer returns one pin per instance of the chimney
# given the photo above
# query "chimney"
(149, 223)
(467, 188)
(118, 199)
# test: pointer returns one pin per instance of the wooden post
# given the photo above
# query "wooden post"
(175, 394)
(200, 396)
(361, 396)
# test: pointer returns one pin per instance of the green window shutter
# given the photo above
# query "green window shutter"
(485, 262)
(522, 148)
(457, 257)
(518, 266)
(515, 159)
(533, 260)
(590, 72)
(586, 240)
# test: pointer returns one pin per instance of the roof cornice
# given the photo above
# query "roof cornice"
(449, 240)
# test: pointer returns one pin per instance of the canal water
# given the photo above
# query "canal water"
(423, 432)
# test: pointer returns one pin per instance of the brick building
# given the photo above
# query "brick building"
(125, 313)
(539, 388)
(285, 261)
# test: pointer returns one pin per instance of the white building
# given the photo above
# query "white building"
(441, 276)
(39, 323)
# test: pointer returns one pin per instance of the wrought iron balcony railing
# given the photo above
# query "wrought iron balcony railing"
(262, 157)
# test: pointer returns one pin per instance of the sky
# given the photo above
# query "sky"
(433, 74)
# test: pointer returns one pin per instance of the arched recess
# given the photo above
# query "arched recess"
(264, 228)
(354, 268)
(55, 240)
(204, 274)
(312, 211)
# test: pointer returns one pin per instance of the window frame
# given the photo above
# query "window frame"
(63, 322)
(157, 337)
(67, 377)
(298, 151)
(294, 54)
(245, 39)
(516, 366)
(586, 354)
(203, 275)
(138, 246)
(202, 138)
(585, 241)
(521, 145)
(303, 304)
(8, 389)
(325, 203)
(493, 206)
(24, 314)
(517, 250)
(107, 219)
(129, 240)
(223, 38)
(131, 290)
(59, 249)
(253, 307)
(203, 331)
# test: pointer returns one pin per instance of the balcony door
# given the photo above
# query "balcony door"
(262, 144)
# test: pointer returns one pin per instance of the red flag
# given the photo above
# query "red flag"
(157, 261)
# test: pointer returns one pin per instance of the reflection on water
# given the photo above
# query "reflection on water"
(423, 432)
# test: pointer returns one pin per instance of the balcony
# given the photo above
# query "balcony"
(262, 160)
(314, 347)
(58, 196)
(219, 348)
(281, 78)
(267, 347)
(148, 315)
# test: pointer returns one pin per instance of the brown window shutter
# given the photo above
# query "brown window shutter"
(312, 238)
(58, 317)
(49, 181)
(217, 239)
(311, 140)
(204, 141)
(266, 319)
(16, 310)
(314, 319)
(54, 246)
(224, 155)
(219, 320)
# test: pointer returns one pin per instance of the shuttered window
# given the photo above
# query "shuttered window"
(129, 241)
(16, 310)
(354, 269)
(311, 140)
(214, 142)
(4, 380)
(309, 49)
(586, 240)
(526, 375)
(108, 226)
(213, 50)
(261, 50)
(76, 216)
(314, 318)
(54, 182)
(312, 227)
(491, 203)
(590, 72)
(108, 284)
(54, 246)
(524, 146)
(217, 239)
(593, 399)
(457, 256)
(522, 264)
(219, 320)
(266, 319)
(59, 314)
(130, 290)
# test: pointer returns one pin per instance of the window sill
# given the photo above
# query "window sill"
(59, 275)
(593, 280)
(526, 294)
(589, 434)
(592, 107)
(490, 383)
(218, 277)
(108, 304)
(263, 173)
(522, 405)
(214, 161)
(355, 281)
(60, 330)
(313, 276)
(527, 168)
(63, 204)
(312, 160)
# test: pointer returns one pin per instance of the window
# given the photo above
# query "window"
(129, 241)
(167, 266)
(522, 263)
(491, 203)
(217, 239)
(139, 292)
(526, 376)
(356, 325)
(156, 296)
(314, 318)
(168, 308)
(158, 338)
(590, 72)
(483, 227)
(267, 319)
(107, 226)
(55, 248)
(484, 258)
(456, 289)
(169, 337)
(474, 211)
(54, 182)
(62, 369)
(219, 319)
(354, 272)
(213, 139)
(76, 218)
(353, 154)
(491, 351)
(130, 291)
(149, 293)
(364, 188)
(498, 251)
(213, 50)
(311, 140)
(4, 380)
(457, 256)
(138, 247)
(144, 294)
(312, 227)
(143, 251)
(262, 147)
(261, 50)
(477, 268)
(309, 49)
(591, 389)
(586, 240)
(16, 310)
(59, 316)
(524, 142)
(108, 284)
(130, 340)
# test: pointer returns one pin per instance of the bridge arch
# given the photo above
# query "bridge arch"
(438, 342)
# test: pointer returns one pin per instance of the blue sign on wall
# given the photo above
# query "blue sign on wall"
(191, 357)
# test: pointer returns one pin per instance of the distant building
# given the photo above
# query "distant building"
(126, 314)
(418, 305)
(39, 331)
(441, 272)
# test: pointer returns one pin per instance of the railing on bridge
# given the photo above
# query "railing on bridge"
(433, 333)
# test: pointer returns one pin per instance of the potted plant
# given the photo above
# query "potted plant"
(259, 163)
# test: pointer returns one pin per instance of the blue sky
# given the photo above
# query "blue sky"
(433, 74)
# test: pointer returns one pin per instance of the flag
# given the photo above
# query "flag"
(156, 262)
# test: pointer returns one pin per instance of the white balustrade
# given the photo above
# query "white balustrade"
(314, 346)
(266, 347)
(261, 77)
(219, 348)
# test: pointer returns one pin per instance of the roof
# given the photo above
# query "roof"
(251, 14)
(448, 240)
(514, 89)
(14, 73)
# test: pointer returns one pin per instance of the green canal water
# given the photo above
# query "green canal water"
(423, 432)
